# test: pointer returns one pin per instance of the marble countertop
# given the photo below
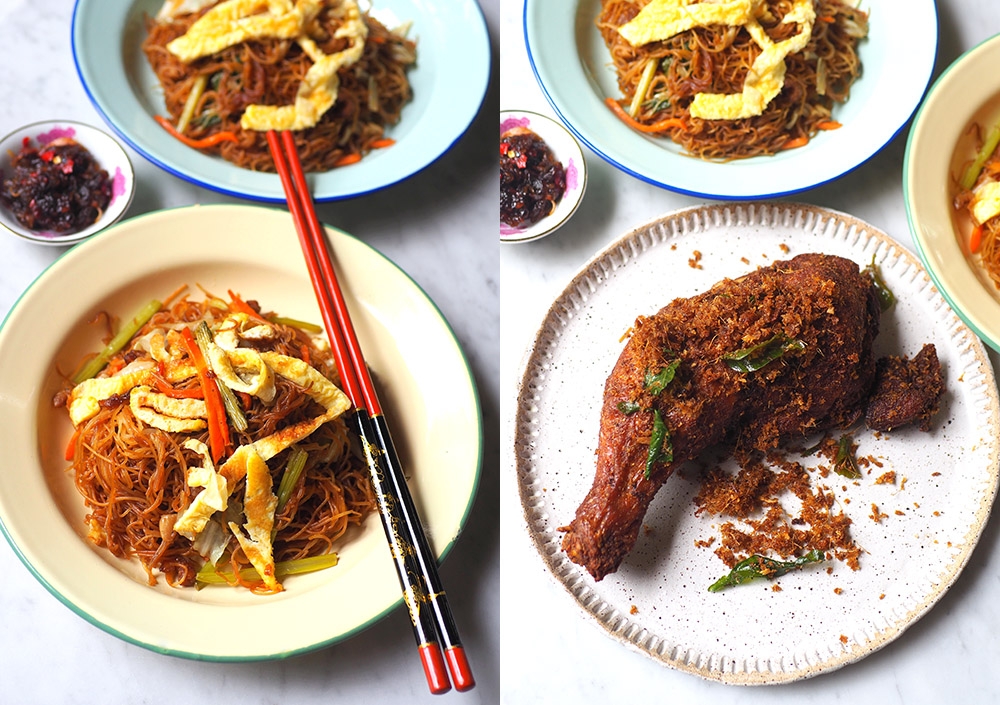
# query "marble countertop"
(426, 225)
(553, 652)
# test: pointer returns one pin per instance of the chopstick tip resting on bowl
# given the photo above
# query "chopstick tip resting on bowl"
(434, 628)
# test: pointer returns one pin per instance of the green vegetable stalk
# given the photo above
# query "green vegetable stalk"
(209, 575)
(293, 469)
(757, 566)
(972, 172)
(96, 364)
(203, 335)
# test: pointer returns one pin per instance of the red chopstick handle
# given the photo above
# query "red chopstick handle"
(458, 666)
(437, 676)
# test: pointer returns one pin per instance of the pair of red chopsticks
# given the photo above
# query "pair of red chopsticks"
(416, 566)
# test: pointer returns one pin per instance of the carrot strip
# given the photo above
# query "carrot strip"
(660, 126)
(829, 19)
(795, 142)
(382, 143)
(71, 447)
(976, 238)
(218, 430)
(209, 141)
(242, 306)
(352, 158)
(828, 125)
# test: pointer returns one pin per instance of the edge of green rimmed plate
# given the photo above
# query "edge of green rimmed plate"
(444, 552)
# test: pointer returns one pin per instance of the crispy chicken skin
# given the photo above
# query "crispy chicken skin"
(820, 309)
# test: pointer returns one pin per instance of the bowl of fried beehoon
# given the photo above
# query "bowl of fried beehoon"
(722, 432)
(186, 480)
(951, 187)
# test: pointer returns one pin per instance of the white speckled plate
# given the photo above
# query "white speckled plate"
(658, 602)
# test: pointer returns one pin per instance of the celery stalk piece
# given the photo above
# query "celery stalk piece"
(96, 364)
(648, 71)
(971, 173)
(208, 575)
(203, 336)
(296, 464)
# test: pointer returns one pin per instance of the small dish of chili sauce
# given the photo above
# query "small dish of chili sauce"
(532, 182)
(542, 176)
(56, 187)
(61, 182)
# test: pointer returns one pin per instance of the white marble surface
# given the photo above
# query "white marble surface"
(552, 653)
(438, 227)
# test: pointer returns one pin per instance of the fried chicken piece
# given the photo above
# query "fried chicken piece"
(905, 391)
(815, 315)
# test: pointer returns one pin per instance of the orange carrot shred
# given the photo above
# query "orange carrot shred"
(352, 158)
(218, 429)
(242, 306)
(383, 143)
(828, 125)
(660, 126)
(202, 143)
(976, 238)
(795, 142)
(71, 447)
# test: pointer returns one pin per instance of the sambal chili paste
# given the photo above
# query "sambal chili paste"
(532, 182)
(56, 187)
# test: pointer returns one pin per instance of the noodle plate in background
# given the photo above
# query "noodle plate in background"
(576, 71)
(380, 131)
(321, 68)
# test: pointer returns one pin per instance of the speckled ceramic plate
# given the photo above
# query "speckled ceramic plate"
(425, 383)
(658, 602)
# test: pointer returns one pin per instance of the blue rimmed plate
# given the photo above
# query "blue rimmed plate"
(574, 70)
(449, 83)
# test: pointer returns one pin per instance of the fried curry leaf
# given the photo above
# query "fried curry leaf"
(656, 382)
(757, 566)
(886, 299)
(628, 407)
(844, 463)
(660, 447)
(762, 354)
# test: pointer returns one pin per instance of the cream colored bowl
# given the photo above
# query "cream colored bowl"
(424, 383)
(967, 91)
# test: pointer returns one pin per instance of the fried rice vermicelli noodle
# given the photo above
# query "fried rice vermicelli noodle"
(268, 71)
(716, 59)
(133, 476)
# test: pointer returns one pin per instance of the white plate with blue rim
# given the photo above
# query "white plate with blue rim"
(575, 72)
(449, 84)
